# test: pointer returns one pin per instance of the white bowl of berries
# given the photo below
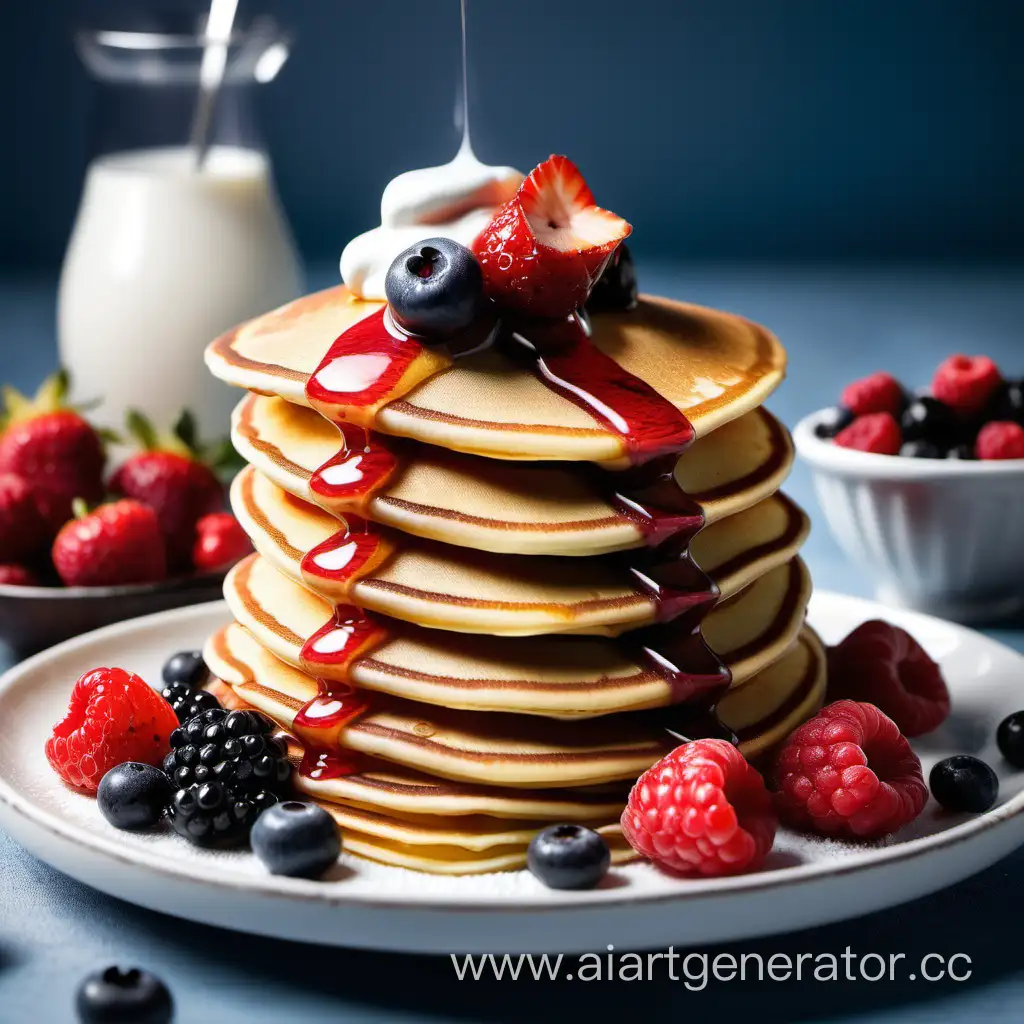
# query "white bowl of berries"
(81, 548)
(925, 490)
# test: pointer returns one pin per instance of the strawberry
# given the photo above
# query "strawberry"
(548, 245)
(23, 532)
(118, 543)
(53, 447)
(220, 542)
(170, 476)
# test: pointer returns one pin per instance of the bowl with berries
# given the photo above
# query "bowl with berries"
(921, 487)
(82, 546)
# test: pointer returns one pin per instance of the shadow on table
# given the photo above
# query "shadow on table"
(975, 918)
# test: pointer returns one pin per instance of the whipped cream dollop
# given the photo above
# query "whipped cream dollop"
(456, 200)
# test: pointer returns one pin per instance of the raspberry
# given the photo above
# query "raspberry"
(881, 392)
(17, 576)
(1000, 440)
(885, 666)
(966, 383)
(878, 432)
(701, 810)
(849, 771)
(112, 717)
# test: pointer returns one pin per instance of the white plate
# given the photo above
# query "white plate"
(807, 882)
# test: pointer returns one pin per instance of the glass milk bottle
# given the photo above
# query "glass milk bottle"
(165, 254)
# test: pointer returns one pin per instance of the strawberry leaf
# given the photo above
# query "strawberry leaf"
(141, 430)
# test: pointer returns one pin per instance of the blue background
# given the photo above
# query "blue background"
(767, 129)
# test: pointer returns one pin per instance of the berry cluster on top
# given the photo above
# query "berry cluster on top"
(971, 412)
(168, 518)
(550, 251)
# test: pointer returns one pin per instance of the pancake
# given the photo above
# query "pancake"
(516, 751)
(713, 366)
(527, 508)
(771, 704)
(460, 589)
(561, 676)
(453, 859)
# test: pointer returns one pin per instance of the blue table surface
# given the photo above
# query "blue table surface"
(837, 324)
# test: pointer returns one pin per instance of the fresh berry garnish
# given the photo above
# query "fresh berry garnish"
(112, 717)
(435, 288)
(220, 542)
(185, 667)
(170, 476)
(964, 452)
(921, 450)
(295, 839)
(701, 810)
(928, 419)
(879, 392)
(233, 747)
(52, 447)
(568, 857)
(849, 771)
(884, 665)
(616, 288)
(23, 531)
(966, 383)
(133, 795)
(116, 996)
(17, 576)
(964, 783)
(1010, 738)
(877, 433)
(546, 248)
(833, 422)
(1000, 440)
(188, 702)
(119, 543)
(1008, 402)
(216, 813)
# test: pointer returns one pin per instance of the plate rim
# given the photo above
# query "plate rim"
(12, 803)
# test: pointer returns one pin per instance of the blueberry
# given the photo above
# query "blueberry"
(435, 288)
(1008, 402)
(1010, 738)
(296, 839)
(185, 667)
(928, 419)
(568, 857)
(616, 288)
(964, 783)
(133, 795)
(114, 996)
(961, 451)
(835, 420)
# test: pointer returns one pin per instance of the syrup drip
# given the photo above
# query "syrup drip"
(655, 433)
(319, 723)
(347, 482)
(347, 556)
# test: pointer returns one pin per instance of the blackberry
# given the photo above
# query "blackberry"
(616, 288)
(187, 702)
(215, 814)
(230, 747)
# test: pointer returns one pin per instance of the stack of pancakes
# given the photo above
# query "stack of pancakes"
(496, 677)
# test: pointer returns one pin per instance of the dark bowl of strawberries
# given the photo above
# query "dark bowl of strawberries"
(81, 548)
(924, 488)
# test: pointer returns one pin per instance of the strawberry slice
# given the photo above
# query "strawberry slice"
(546, 248)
